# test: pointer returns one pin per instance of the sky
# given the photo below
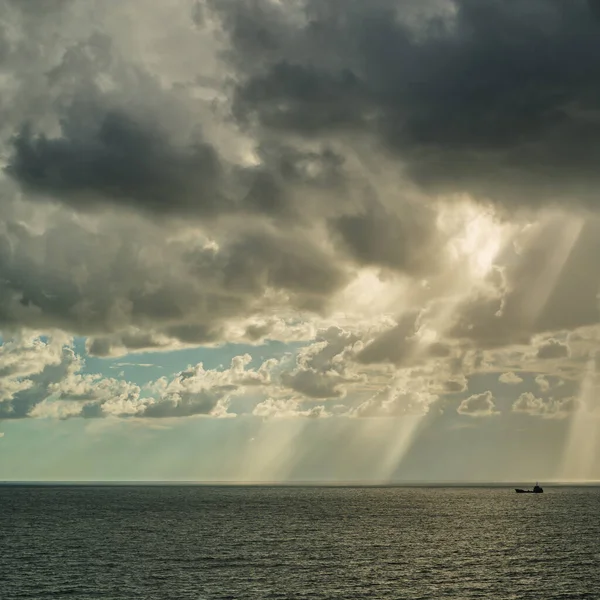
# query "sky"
(312, 240)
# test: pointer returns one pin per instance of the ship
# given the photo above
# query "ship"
(537, 489)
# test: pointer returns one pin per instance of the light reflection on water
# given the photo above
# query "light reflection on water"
(278, 542)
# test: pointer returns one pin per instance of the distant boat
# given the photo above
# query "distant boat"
(536, 490)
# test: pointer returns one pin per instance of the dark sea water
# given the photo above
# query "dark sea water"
(261, 542)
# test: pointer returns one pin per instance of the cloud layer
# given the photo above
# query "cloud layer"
(404, 188)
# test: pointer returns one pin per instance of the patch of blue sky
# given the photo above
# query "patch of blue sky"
(141, 368)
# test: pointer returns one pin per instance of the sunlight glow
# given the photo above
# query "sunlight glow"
(401, 433)
(546, 280)
(476, 236)
(369, 295)
(581, 449)
(270, 455)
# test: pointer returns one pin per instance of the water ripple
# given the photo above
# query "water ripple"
(208, 543)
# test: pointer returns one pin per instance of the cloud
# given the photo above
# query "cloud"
(59, 389)
(553, 349)
(549, 408)
(198, 391)
(285, 409)
(119, 160)
(369, 179)
(542, 282)
(395, 345)
(24, 394)
(379, 237)
(134, 188)
(456, 123)
(542, 383)
(27, 354)
(323, 367)
(108, 156)
(393, 401)
(478, 405)
(510, 378)
(162, 291)
(456, 384)
(140, 215)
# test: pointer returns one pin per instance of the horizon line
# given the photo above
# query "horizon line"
(308, 483)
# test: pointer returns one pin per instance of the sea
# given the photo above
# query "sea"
(261, 542)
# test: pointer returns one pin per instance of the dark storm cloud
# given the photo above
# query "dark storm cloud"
(594, 6)
(103, 130)
(264, 258)
(115, 158)
(110, 156)
(129, 287)
(118, 159)
(282, 169)
(380, 237)
(499, 99)
(138, 144)
(485, 97)
(314, 102)
(553, 349)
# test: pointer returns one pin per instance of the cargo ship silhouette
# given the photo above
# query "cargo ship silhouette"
(536, 490)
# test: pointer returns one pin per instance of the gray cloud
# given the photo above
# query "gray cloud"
(549, 284)
(553, 349)
(122, 282)
(456, 385)
(107, 131)
(117, 159)
(272, 212)
(189, 403)
(112, 156)
(495, 98)
(314, 384)
(395, 345)
(323, 368)
(108, 136)
(380, 237)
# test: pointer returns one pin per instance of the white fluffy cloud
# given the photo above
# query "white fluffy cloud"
(280, 409)
(57, 388)
(510, 378)
(478, 405)
(395, 402)
(550, 408)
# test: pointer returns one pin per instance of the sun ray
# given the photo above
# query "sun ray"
(402, 433)
(269, 455)
(544, 283)
(581, 449)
